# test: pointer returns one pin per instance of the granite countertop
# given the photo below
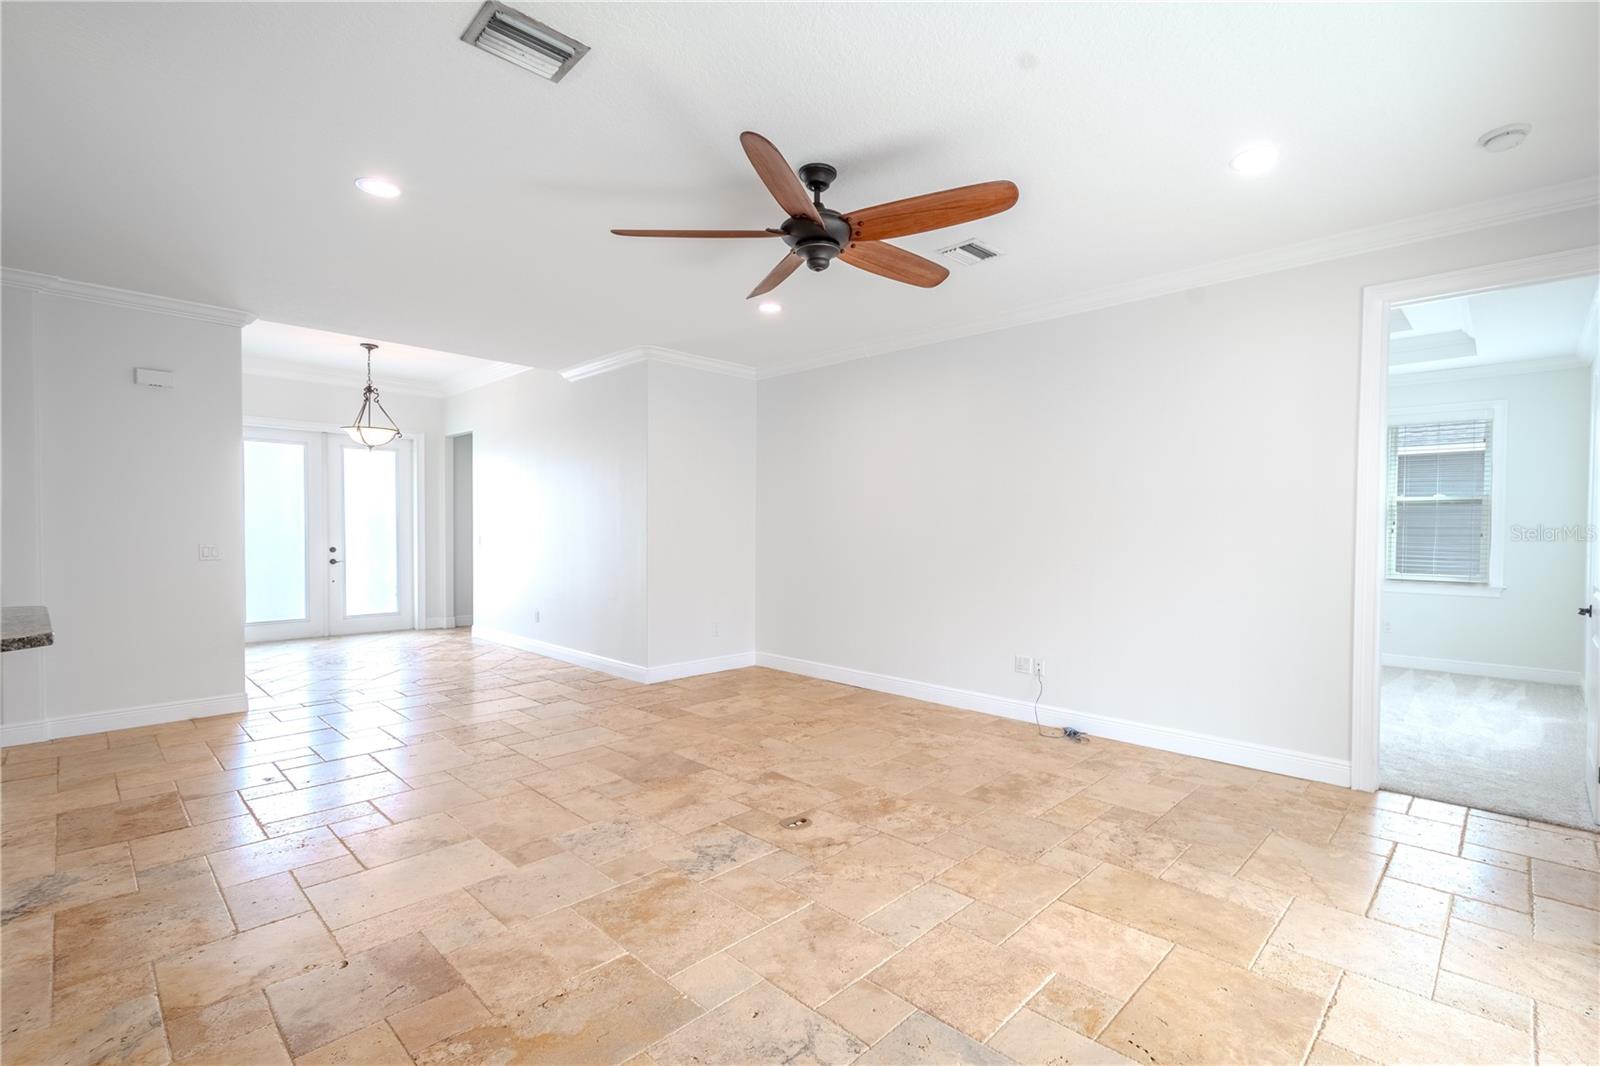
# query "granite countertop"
(25, 627)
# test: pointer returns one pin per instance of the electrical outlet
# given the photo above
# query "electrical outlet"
(716, 629)
(536, 617)
(1022, 664)
(1038, 668)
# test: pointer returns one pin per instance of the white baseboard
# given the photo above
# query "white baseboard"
(696, 667)
(1166, 738)
(1504, 671)
(78, 725)
(461, 620)
(645, 675)
(447, 622)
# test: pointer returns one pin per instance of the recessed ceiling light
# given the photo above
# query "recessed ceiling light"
(1256, 159)
(379, 187)
(1505, 138)
(769, 307)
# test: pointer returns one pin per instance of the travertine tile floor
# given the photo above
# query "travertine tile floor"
(421, 847)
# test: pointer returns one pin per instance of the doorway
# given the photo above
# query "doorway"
(1477, 554)
(328, 535)
(462, 537)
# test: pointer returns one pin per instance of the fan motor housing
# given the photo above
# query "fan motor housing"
(817, 245)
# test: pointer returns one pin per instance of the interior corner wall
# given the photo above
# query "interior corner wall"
(559, 472)
(1532, 628)
(126, 483)
(1156, 499)
(419, 418)
(701, 515)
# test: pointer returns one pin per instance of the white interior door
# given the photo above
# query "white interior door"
(1591, 590)
(368, 556)
(328, 535)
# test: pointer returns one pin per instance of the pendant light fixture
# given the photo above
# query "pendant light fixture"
(365, 430)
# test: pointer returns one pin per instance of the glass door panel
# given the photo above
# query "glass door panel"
(369, 572)
(282, 482)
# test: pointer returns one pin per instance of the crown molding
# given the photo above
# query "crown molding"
(1399, 378)
(138, 301)
(650, 353)
(476, 378)
(287, 370)
(1535, 203)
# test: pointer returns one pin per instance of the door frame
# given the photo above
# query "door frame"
(419, 504)
(1371, 436)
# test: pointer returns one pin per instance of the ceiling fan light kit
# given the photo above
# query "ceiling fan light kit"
(817, 235)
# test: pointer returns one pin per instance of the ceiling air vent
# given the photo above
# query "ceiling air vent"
(530, 44)
(969, 253)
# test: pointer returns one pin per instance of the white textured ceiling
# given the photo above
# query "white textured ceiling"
(277, 349)
(1526, 322)
(206, 151)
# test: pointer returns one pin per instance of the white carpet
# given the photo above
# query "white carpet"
(1515, 747)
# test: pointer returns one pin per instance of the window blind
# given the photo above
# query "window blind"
(1440, 481)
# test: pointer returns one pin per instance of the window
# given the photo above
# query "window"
(1443, 497)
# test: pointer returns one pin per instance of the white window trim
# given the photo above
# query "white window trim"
(1499, 527)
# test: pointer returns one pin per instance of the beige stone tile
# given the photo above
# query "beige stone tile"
(1007, 882)
(1031, 1037)
(601, 842)
(397, 884)
(1504, 859)
(322, 797)
(129, 1029)
(1562, 924)
(1017, 834)
(606, 1015)
(1376, 949)
(1567, 847)
(512, 821)
(668, 921)
(915, 913)
(825, 835)
(866, 1010)
(420, 801)
(532, 960)
(54, 890)
(868, 875)
(1435, 811)
(1293, 970)
(176, 908)
(1069, 1002)
(93, 827)
(1547, 973)
(327, 870)
(275, 855)
(1105, 954)
(708, 852)
(540, 887)
(1581, 888)
(1390, 1026)
(404, 839)
(244, 962)
(1424, 910)
(913, 820)
(923, 1039)
(236, 1030)
(1113, 840)
(716, 980)
(1197, 1009)
(376, 1045)
(1486, 1001)
(761, 1024)
(813, 954)
(962, 980)
(26, 950)
(216, 808)
(1566, 1036)
(449, 921)
(1260, 898)
(1173, 912)
(1470, 910)
(757, 893)
(1463, 877)
(439, 1018)
(990, 923)
(333, 1001)
(1335, 876)
(181, 844)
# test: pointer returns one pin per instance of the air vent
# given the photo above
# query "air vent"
(530, 44)
(969, 253)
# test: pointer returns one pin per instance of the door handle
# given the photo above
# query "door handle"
(1587, 612)
(333, 562)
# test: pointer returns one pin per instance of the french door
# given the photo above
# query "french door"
(328, 535)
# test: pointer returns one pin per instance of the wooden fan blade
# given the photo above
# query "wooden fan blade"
(779, 177)
(888, 261)
(697, 233)
(935, 210)
(785, 267)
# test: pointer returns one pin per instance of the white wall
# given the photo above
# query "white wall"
(129, 483)
(21, 672)
(559, 509)
(701, 517)
(1533, 626)
(420, 418)
(1156, 498)
(461, 527)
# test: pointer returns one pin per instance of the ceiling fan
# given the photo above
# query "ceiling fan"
(816, 235)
